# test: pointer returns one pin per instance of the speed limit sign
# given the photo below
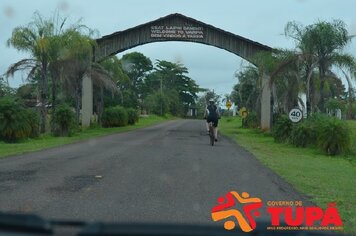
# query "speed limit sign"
(295, 115)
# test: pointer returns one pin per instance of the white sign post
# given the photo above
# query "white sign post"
(295, 115)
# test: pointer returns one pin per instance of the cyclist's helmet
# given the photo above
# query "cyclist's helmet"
(211, 101)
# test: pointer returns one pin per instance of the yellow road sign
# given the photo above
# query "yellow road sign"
(228, 104)
(243, 112)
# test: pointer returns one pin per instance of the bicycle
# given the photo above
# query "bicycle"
(211, 133)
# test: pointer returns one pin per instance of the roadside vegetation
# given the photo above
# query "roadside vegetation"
(310, 76)
(47, 140)
(317, 155)
(322, 178)
(47, 106)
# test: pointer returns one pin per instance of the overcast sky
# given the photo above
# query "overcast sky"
(259, 20)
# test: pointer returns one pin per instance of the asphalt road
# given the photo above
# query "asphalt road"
(165, 173)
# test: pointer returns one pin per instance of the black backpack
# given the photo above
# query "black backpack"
(212, 111)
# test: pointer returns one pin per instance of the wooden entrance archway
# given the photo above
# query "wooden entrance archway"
(176, 27)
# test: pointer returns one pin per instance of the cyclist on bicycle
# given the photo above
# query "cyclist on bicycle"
(212, 114)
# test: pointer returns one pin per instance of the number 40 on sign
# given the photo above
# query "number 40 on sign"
(295, 115)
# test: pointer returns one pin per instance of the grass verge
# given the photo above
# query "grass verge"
(48, 141)
(352, 126)
(322, 178)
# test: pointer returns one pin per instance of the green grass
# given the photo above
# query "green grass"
(352, 126)
(48, 141)
(322, 178)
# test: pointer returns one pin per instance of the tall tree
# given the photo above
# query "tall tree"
(114, 67)
(347, 65)
(173, 79)
(50, 45)
(322, 43)
(137, 66)
(34, 39)
(247, 91)
(76, 62)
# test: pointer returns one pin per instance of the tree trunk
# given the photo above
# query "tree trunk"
(43, 96)
(308, 100)
(54, 94)
(310, 89)
(349, 110)
(350, 100)
(77, 103)
(321, 103)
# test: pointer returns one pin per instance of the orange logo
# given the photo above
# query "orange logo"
(280, 212)
(250, 206)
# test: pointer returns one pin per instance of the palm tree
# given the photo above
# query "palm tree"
(60, 56)
(347, 65)
(301, 70)
(284, 78)
(34, 39)
(76, 62)
(320, 46)
(102, 79)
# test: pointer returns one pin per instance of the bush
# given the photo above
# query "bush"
(353, 110)
(302, 135)
(34, 120)
(114, 117)
(63, 121)
(14, 123)
(333, 136)
(132, 116)
(95, 125)
(282, 129)
(306, 133)
(250, 121)
(333, 104)
(329, 134)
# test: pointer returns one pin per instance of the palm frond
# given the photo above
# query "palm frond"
(24, 64)
(281, 66)
(32, 72)
(102, 78)
(294, 30)
(345, 61)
